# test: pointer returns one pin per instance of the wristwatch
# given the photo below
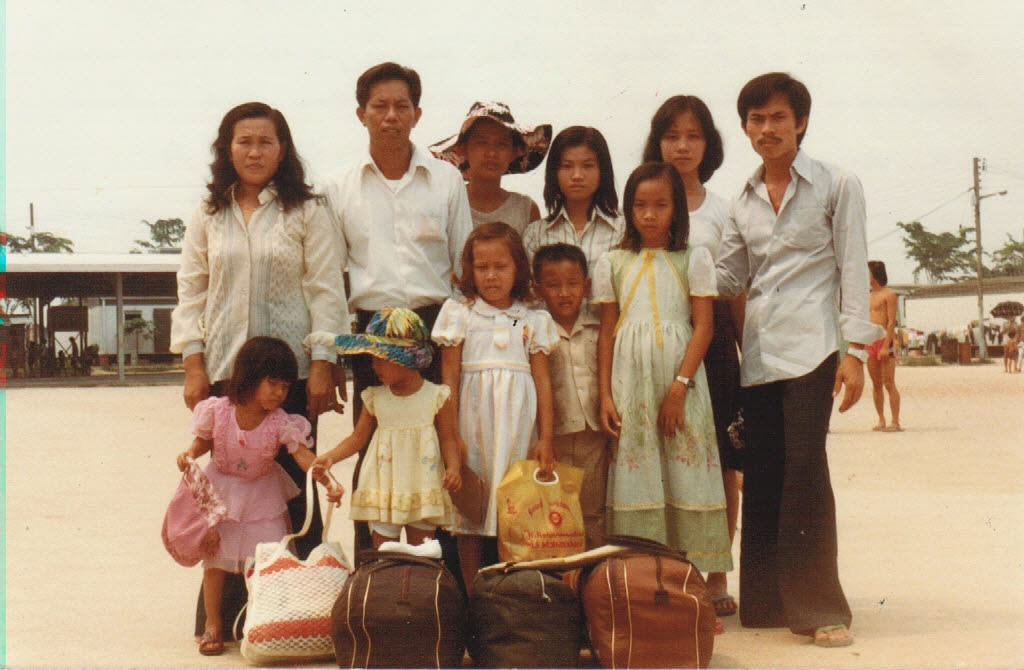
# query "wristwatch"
(859, 354)
(686, 381)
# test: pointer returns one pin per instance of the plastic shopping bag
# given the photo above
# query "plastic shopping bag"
(539, 519)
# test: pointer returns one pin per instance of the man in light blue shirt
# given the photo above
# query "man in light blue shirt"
(795, 241)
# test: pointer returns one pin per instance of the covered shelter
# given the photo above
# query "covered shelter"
(46, 276)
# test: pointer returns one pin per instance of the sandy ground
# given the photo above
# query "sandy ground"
(931, 527)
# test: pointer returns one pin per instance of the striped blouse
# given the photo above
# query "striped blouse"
(278, 275)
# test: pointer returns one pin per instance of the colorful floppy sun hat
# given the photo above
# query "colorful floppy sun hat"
(536, 139)
(395, 334)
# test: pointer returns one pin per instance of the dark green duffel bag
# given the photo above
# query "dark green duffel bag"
(524, 618)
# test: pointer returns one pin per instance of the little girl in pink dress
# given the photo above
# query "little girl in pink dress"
(243, 431)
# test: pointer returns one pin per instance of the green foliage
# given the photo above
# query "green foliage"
(940, 257)
(143, 328)
(1009, 260)
(164, 235)
(44, 243)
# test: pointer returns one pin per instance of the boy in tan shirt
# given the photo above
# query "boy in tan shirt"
(561, 281)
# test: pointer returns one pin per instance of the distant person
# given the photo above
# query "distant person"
(562, 281)
(882, 352)
(76, 357)
(259, 257)
(243, 433)
(580, 196)
(489, 145)
(402, 217)
(1010, 350)
(683, 133)
(795, 241)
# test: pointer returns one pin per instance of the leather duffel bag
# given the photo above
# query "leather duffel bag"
(399, 611)
(524, 618)
(648, 608)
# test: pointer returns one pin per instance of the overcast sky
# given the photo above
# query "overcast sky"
(112, 106)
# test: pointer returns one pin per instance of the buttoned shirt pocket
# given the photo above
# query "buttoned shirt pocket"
(808, 228)
(421, 226)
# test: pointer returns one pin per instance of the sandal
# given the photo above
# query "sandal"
(211, 645)
(725, 605)
(833, 636)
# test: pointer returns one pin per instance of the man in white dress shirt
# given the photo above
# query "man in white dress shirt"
(796, 235)
(402, 216)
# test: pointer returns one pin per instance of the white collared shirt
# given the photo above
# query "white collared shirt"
(573, 365)
(807, 268)
(278, 275)
(400, 245)
(599, 235)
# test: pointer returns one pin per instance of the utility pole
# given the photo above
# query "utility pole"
(982, 349)
(32, 226)
(979, 165)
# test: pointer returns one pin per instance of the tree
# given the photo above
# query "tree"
(940, 257)
(164, 236)
(38, 242)
(1009, 260)
(140, 328)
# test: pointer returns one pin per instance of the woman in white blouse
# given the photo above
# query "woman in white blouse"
(260, 257)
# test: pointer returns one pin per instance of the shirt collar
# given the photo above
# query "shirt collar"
(801, 165)
(516, 310)
(268, 193)
(420, 160)
(583, 319)
(598, 216)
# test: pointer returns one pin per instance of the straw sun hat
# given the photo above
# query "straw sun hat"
(395, 334)
(536, 139)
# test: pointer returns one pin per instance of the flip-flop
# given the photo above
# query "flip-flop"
(723, 611)
(892, 429)
(828, 641)
(211, 645)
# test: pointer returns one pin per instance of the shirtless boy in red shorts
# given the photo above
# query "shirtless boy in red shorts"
(882, 352)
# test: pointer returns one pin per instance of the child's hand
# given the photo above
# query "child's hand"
(320, 465)
(182, 461)
(545, 456)
(210, 543)
(452, 480)
(672, 416)
(335, 492)
(610, 421)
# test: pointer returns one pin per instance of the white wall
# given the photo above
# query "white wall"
(952, 313)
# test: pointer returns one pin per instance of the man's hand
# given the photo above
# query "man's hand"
(850, 374)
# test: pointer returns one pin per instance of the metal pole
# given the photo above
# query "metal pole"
(982, 349)
(119, 295)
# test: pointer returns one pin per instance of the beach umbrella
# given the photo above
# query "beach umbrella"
(1007, 309)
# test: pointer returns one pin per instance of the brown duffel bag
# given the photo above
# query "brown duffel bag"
(648, 608)
(399, 611)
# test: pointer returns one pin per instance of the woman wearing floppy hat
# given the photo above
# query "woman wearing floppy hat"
(489, 145)
(412, 441)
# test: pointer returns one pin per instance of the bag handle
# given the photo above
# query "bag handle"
(310, 498)
(645, 545)
(370, 555)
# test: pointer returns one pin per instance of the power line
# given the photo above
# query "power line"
(918, 218)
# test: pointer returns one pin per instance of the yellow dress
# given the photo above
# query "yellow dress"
(401, 478)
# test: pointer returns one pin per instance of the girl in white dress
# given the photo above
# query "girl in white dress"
(495, 357)
(664, 480)
(413, 450)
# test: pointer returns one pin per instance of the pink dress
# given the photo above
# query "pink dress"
(255, 489)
